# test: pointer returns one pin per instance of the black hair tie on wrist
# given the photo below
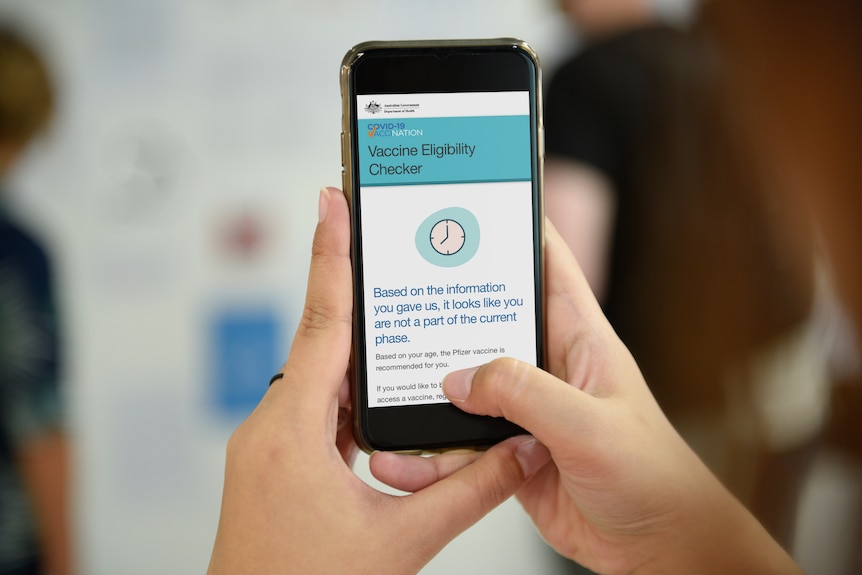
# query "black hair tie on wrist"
(275, 378)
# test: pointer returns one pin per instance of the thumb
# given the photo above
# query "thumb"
(413, 473)
(456, 502)
(547, 407)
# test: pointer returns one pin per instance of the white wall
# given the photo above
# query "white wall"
(180, 121)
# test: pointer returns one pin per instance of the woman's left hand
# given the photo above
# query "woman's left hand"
(291, 501)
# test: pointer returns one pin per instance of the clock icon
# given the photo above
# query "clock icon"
(447, 237)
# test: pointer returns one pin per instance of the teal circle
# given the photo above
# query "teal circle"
(471, 237)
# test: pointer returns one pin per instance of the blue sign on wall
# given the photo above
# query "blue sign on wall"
(246, 350)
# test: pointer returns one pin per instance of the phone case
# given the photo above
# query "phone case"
(346, 71)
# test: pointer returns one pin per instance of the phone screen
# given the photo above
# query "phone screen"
(447, 238)
(443, 176)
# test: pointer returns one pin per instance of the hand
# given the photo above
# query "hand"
(291, 501)
(623, 493)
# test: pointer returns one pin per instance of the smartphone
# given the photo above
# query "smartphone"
(442, 164)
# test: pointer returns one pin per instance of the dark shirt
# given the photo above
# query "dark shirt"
(597, 103)
(696, 279)
(605, 107)
(29, 392)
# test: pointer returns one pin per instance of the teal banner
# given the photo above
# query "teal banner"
(444, 150)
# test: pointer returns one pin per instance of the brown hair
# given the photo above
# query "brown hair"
(26, 95)
(797, 71)
(716, 260)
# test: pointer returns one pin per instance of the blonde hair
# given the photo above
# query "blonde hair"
(26, 95)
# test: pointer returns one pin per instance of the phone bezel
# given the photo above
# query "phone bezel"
(425, 67)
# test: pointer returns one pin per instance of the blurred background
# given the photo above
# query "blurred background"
(176, 191)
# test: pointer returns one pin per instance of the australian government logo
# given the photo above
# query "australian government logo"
(391, 129)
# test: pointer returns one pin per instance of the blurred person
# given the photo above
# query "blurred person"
(706, 274)
(34, 531)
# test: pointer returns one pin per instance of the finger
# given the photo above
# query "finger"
(544, 405)
(321, 346)
(413, 472)
(456, 502)
(575, 317)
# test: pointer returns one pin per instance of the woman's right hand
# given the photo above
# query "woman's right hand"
(623, 492)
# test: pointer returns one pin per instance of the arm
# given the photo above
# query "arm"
(44, 466)
(580, 201)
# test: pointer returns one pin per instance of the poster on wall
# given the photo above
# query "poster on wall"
(245, 352)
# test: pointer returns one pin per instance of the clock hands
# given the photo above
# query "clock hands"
(443, 231)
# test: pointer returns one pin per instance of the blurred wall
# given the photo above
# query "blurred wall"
(178, 192)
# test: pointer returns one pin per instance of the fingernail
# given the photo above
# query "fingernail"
(457, 384)
(532, 456)
(323, 205)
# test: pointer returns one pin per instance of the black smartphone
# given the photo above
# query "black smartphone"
(442, 160)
